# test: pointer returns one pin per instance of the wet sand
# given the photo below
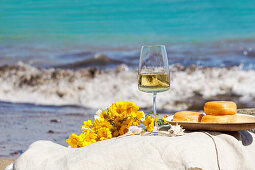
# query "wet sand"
(24, 124)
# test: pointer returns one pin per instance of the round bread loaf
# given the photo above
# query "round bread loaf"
(187, 116)
(220, 108)
(219, 119)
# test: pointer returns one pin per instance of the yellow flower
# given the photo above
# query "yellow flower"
(101, 113)
(136, 123)
(111, 122)
(165, 116)
(118, 121)
(116, 109)
(115, 133)
(149, 123)
(122, 109)
(123, 130)
(131, 108)
(104, 133)
(74, 141)
(102, 123)
(86, 125)
(88, 137)
(104, 115)
(139, 115)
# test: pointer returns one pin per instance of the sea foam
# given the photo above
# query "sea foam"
(93, 88)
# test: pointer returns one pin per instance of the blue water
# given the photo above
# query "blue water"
(44, 30)
(127, 20)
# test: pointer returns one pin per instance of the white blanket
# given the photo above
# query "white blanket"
(194, 150)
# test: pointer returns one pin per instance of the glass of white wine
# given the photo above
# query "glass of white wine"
(153, 74)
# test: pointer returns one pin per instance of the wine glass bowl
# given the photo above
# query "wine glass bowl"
(153, 72)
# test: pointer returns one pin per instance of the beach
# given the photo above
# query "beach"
(50, 104)
(48, 98)
(61, 61)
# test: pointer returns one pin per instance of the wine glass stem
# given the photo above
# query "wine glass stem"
(155, 112)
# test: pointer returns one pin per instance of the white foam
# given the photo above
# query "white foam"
(79, 88)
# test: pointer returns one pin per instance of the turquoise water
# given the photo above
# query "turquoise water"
(60, 32)
(126, 21)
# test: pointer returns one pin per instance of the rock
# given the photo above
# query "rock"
(17, 152)
(122, 67)
(54, 120)
(51, 131)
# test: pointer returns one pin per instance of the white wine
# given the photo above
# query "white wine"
(153, 82)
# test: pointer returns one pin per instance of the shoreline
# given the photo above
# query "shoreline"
(190, 86)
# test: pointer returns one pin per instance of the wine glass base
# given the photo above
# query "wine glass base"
(152, 134)
(156, 132)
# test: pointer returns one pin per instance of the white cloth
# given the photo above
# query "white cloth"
(193, 150)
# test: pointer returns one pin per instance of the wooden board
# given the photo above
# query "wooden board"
(243, 122)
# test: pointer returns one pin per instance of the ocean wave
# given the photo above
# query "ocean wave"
(99, 60)
(94, 88)
(208, 54)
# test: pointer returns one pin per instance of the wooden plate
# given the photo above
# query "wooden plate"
(244, 122)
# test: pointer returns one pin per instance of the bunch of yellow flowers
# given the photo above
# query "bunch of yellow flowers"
(111, 122)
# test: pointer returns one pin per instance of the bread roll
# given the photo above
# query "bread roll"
(187, 116)
(219, 119)
(220, 108)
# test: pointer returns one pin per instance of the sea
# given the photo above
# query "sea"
(50, 33)
(61, 60)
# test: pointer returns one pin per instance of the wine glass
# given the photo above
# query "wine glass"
(153, 74)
